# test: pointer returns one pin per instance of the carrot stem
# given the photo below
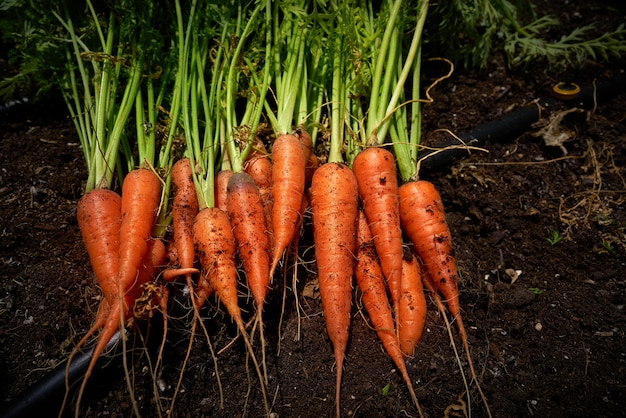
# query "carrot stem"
(234, 154)
(337, 105)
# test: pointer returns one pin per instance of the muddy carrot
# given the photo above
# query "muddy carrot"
(185, 207)
(424, 221)
(259, 167)
(370, 279)
(99, 216)
(375, 171)
(246, 212)
(334, 206)
(411, 306)
(221, 183)
(216, 247)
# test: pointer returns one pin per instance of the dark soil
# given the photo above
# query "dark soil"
(546, 320)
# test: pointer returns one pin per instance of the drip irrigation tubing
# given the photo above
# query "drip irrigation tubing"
(44, 398)
(515, 123)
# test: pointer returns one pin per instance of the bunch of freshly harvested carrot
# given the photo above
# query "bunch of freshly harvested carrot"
(415, 208)
(239, 195)
(393, 205)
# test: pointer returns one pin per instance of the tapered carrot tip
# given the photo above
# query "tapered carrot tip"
(171, 274)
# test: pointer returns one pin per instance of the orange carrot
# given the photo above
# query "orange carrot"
(375, 171)
(155, 259)
(334, 205)
(141, 196)
(288, 174)
(245, 210)
(99, 214)
(185, 207)
(370, 279)
(412, 305)
(246, 213)
(259, 166)
(215, 248)
(423, 220)
(221, 182)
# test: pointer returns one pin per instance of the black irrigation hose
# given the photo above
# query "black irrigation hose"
(44, 398)
(516, 123)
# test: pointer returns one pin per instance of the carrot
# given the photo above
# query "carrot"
(288, 174)
(334, 205)
(245, 210)
(259, 166)
(375, 171)
(155, 258)
(221, 182)
(370, 279)
(412, 305)
(141, 196)
(99, 215)
(215, 247)
(423, 219)
(246, 213)
(424, 222)
(185, 207)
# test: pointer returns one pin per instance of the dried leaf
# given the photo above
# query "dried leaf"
(553, 134)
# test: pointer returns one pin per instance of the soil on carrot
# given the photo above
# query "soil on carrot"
(540, 237)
